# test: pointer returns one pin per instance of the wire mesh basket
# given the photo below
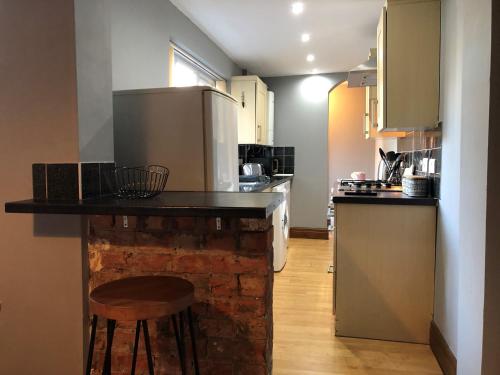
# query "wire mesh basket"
(140, 182)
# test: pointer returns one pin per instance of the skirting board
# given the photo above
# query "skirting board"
(311, 233)
(442, 351)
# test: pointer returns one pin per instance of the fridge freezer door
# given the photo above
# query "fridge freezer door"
(221, 142)
(162, 126)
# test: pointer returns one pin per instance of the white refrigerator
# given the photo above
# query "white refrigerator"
(190, 130)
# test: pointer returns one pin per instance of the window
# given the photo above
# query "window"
(187, 71)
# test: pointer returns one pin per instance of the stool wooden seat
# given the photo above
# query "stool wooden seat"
(143, 298)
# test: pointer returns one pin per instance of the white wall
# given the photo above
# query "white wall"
(473, 167)
(93, 65)
(447, 257)
(141, 33)
(348, 150)
(460, 268)
(301, 120)
(40, 255)
(491, 339)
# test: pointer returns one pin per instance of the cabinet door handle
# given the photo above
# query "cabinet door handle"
(373, 110)
(365, 131)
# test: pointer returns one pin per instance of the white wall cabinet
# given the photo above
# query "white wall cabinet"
(371, 130)
(408, 59)
(251, 94)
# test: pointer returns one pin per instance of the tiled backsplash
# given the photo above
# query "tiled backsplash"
(55, 182)
(97, 179)
(423, 150)
(63, 182)
(284, 156)
(286, 159)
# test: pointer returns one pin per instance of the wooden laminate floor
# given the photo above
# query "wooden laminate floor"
(304, 338)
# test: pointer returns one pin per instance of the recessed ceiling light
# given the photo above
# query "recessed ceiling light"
(310, 57)
(305, 37)
(314, 71)
(297, 7)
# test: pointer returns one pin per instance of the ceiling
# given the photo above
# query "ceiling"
(263, 36)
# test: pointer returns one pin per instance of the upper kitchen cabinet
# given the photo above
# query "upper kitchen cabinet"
(371, 119)
(408, 57)
(251, 94)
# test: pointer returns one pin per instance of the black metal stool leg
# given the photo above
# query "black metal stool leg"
(193, 341)
(109, 343)
(91, 345)
(180, 342)
(183, 344)
(136, 344)
(148, 347)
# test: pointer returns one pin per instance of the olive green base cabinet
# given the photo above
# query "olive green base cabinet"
(385, 257)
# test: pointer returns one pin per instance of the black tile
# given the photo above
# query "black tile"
(268, 152)
(289, 150)
(436, 193)
(406, 144)
(418, 160)
(62, 182)
(289, 161)
(257, 151)
(436, 154)
(289, 170)
(279, 151)
(91, 186)
(241, 150)
(438, 142)
(281, 169)
(107, 178)
(39, 176)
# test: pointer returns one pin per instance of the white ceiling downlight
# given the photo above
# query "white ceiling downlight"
(305, 37)
(297, 7)
(263, 36)
(310, 57)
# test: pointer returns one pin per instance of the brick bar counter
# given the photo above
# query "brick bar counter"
(223, 247)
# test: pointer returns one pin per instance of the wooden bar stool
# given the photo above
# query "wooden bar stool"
(141, 299)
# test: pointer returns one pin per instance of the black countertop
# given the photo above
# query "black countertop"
(275, 181)
(244, 205)
(394, 198)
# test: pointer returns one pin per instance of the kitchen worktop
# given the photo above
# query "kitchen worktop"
(393, 198)
(222, 242)
(220, 204)
(259, 188)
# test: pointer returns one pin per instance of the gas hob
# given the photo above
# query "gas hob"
(366, 187)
